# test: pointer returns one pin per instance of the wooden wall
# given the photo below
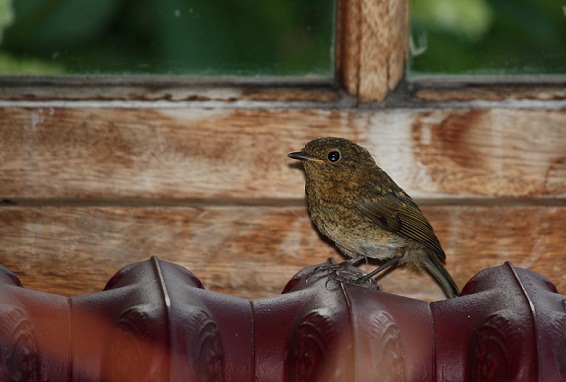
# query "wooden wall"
(87, 188)
(97, 174)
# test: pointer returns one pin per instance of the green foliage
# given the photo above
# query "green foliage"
(272, 38)
(492, 37)
(13, 65)
(201, 37)
(6, 15)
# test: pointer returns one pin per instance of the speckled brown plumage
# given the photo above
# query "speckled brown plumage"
(357, 205)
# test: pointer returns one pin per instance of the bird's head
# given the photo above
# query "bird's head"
(334, 159)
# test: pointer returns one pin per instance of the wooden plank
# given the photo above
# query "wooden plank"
(373, 41)
(496, 92)
(84, 153)
(252, 251)
(206, 90)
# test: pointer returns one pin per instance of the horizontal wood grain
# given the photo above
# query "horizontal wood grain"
(252, 251)
(174, 90)
(89, 153)
(494, 92)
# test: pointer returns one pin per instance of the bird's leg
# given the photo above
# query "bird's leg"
(390, 263)
(339, 267)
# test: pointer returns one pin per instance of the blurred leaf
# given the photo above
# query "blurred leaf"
(515, 37)
(6, 15)
(470, 19)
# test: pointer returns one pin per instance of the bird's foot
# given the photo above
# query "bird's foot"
(360, 281)
(339, 269)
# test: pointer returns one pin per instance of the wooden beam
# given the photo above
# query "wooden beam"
(117, 154)
(176, 90)
(253, 251)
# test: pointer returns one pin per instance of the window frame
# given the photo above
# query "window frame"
(370, 64)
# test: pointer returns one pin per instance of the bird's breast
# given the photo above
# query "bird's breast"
(342, 221)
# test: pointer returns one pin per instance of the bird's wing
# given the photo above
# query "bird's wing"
(397, 212)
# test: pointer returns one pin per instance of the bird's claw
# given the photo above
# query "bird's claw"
(338, 268)
(362, 281)
(344, 273)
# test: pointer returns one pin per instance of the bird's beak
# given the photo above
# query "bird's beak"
(300, 155)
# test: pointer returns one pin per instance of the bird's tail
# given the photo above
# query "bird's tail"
(441, 275)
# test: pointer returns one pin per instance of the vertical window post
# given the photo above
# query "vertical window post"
(372, 46)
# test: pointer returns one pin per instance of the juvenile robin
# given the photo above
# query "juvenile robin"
(359, 207)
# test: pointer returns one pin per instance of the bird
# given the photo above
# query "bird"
(358, 206)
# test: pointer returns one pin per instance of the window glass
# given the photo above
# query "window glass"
(185, 37)
(487, 37)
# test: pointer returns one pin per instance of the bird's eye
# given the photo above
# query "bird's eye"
(334, 156)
